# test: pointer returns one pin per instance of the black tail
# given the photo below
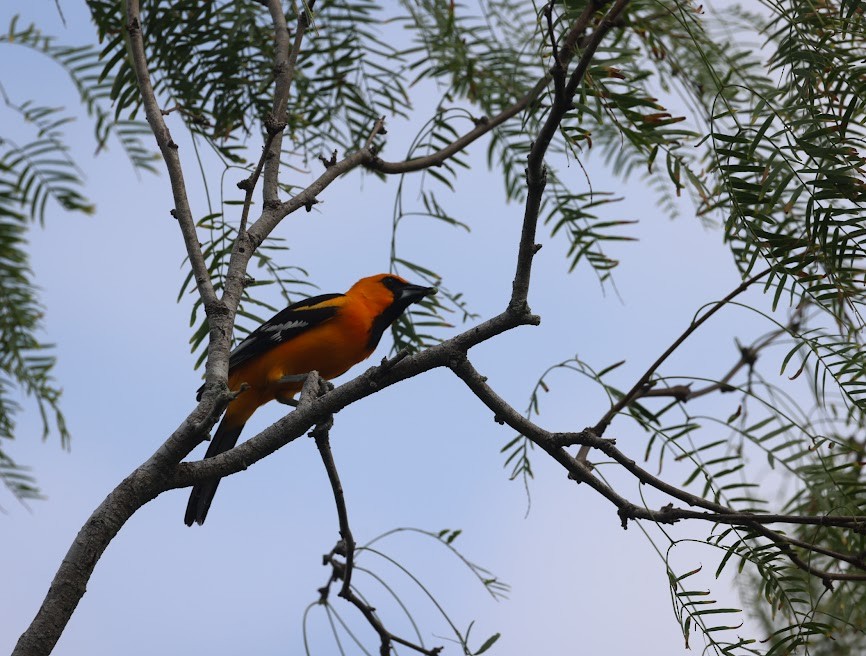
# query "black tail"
(202, 493)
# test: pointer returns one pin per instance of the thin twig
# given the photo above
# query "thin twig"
(385, 636)
(249, 184)
(347, 546)
(273, 214)
(285, 61)
(634, 392)
(748, 356)
(557, 69)
(378, 127)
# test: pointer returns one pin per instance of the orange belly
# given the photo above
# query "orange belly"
(324, 349)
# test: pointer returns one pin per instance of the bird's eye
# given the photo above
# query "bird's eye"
(391, 282)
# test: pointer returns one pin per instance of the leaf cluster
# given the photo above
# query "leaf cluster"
(38, 174)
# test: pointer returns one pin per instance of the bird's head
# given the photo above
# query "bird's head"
(387, 290)
(388, 296)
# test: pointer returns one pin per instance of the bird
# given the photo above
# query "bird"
(328, 333)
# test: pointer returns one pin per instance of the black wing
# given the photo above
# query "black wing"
(294, 320)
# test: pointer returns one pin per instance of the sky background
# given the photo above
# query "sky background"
(424, 453)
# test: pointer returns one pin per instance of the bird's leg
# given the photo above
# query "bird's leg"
(293, 379)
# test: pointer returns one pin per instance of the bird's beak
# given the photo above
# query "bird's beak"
(413, 293)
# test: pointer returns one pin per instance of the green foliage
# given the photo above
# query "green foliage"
(83, 65)
(811, 456)
(344, 64)
(774, 154)
(695, 609)
(788, 161)
(28, 178)
(37, 176)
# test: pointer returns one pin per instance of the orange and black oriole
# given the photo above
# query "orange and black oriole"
(327, 334)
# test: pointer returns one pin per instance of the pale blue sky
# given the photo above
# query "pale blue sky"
(424, 453)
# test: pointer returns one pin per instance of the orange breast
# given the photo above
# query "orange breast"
(331, 349)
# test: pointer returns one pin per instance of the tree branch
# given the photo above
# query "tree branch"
(486, 124)
(220, 317)
(684, 393)
(168, 148)
(285, 62)
(248, 185)
(141, 486)
(580, 472)
(536, 177)
(346, 548)
(271, 216)
(306, 415)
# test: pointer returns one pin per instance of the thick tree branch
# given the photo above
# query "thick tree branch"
(220, 317)
(70, 581)
(141, 486)
(303, 418)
